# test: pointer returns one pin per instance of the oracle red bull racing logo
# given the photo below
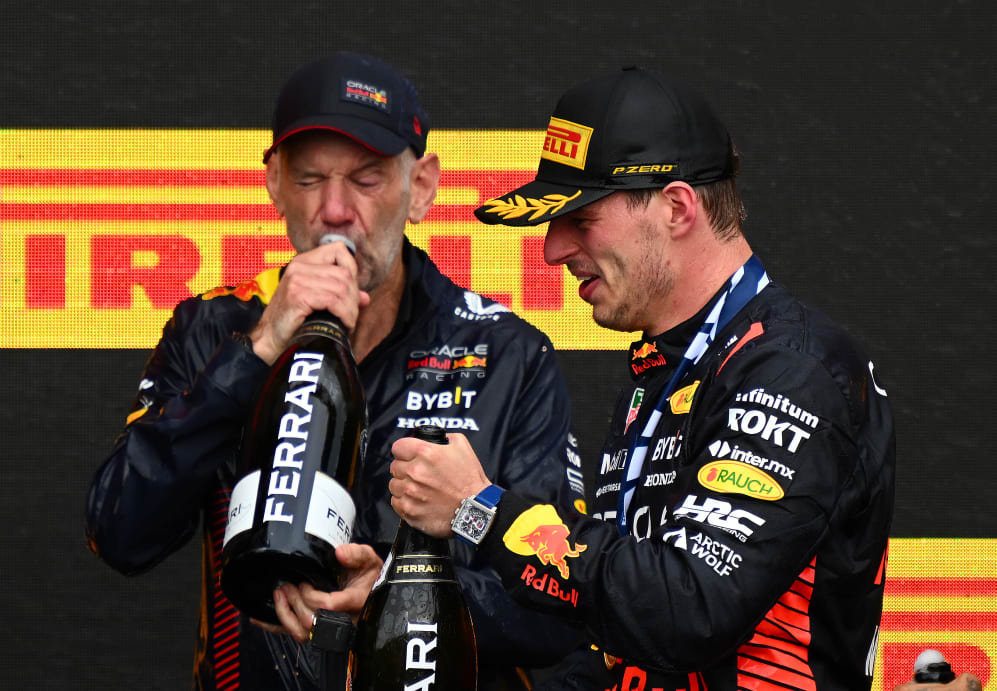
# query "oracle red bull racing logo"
(446, 358)
(540, 531)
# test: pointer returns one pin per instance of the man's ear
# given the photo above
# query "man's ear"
(682, 208)
(273, 181)
(424, 180)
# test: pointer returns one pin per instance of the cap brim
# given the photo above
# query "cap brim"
(537, 202)
(372, 136)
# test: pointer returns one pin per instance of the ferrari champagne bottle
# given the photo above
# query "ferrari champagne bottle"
(300, 454)
(415, 630)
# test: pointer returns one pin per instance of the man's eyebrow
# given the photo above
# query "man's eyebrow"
(378, 162)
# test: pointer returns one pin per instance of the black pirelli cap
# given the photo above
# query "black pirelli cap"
(626, 130)
(357, 95)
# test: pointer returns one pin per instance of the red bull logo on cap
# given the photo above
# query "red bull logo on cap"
(539, 530)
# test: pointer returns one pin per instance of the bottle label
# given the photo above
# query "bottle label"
(331, 511)
(421, 567)
(329, 329)
(242, 506)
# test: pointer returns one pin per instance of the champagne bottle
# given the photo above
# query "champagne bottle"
(415, 631)
(301, 452)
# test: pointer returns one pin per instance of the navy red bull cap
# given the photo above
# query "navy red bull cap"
(357, 95)
(624, 130)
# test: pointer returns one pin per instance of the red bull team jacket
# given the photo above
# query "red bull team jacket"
(756, 536)
(453, 359)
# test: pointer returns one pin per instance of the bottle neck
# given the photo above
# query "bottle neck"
(411, 541)
(323, 316)
(322, 323)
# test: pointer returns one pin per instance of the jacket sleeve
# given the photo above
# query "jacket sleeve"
(711, 563)
(195, 392)
(540, 459)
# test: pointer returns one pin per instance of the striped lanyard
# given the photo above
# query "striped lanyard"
(745, 284)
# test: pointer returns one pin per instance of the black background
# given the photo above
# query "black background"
(867, 138)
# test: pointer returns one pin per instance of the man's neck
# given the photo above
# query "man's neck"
(704, 273)
(376, 320)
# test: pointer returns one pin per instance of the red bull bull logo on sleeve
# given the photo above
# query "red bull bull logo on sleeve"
(540, 531)
(262, 287)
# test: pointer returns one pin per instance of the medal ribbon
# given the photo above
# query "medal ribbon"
(743, 286)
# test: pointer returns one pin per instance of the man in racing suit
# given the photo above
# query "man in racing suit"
(444, 356)
(745, 490)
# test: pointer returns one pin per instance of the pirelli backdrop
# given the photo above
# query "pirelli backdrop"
(130, 178)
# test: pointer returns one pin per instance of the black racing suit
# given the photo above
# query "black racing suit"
(452, 359)
(758, 529)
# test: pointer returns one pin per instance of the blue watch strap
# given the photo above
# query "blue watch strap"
(490, 496)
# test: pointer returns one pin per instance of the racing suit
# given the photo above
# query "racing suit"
(452, 359)
(758, 528)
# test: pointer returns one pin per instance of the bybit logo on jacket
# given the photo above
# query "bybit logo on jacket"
(566, 143)
(433, 402)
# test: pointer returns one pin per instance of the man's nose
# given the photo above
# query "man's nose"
(337, 204)
(558, 245)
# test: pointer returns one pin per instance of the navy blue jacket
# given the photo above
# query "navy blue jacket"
(453, 358)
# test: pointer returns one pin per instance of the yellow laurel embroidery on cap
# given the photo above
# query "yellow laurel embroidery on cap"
(517, 206)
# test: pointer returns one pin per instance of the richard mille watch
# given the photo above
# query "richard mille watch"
(475, 514)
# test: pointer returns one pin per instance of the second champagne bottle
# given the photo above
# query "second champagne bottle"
(415, 630)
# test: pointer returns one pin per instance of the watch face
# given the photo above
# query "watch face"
(474, 520)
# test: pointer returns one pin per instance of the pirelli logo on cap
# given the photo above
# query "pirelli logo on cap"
(566, 143)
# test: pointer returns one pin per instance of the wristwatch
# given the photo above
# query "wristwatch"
(332, 631)
(474, 516)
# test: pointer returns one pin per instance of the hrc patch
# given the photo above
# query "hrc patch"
(357, 91)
